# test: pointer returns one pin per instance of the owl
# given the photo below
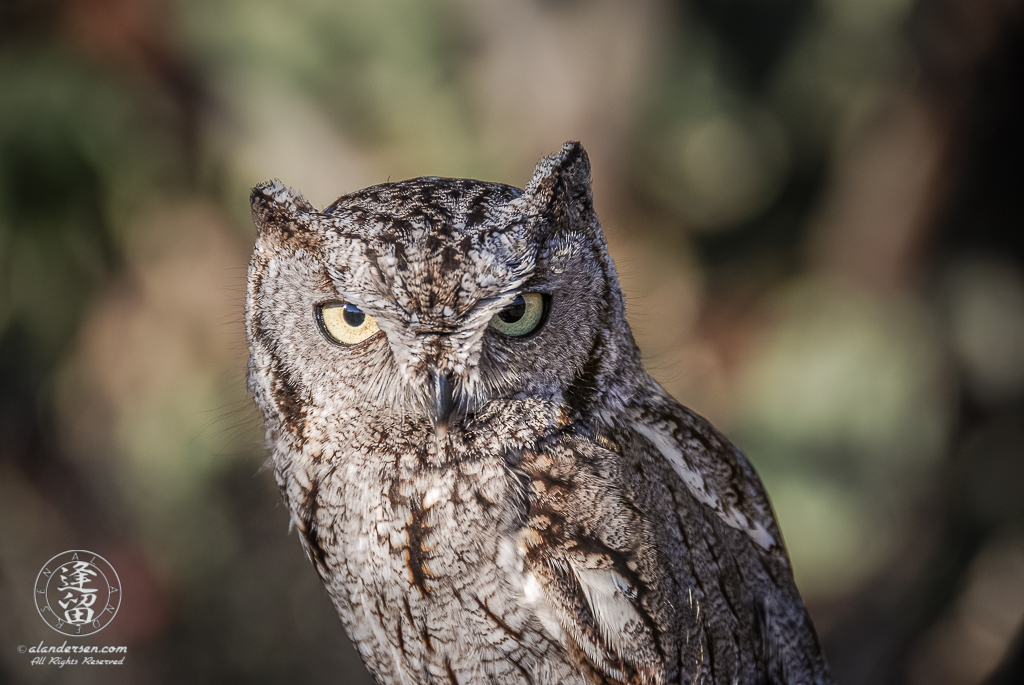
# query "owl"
(487, 481)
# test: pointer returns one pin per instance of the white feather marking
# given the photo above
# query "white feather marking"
(433, 496)
(532, 600)
(761, 535)
(609, 597)
(508, 557)
(695, 484)
(531, 589)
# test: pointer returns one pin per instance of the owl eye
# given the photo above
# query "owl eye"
(521, 316)
(345, 324)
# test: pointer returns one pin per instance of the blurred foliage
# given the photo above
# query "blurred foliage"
(813, 206)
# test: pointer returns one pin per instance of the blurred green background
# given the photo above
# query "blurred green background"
(815, 208)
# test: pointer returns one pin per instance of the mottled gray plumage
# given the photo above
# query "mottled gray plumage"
(490, 508)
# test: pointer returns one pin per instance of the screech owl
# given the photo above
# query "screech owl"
(486, 479)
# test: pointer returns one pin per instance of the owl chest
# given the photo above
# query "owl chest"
(432, 580)
(420, 546)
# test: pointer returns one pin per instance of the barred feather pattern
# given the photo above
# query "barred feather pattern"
(569, 522)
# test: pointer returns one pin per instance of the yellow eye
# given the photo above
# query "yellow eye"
(523, 315)
(345, 324)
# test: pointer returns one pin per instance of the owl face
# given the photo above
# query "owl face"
(428, 298)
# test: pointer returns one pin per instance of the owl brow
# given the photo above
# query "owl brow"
(482, 236)
(485, 302)
(338, 232)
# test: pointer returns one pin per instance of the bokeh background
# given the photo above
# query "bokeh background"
(817, 212)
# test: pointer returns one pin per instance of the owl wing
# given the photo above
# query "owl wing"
(661, 557)
(593, 613)
(579, 546)
(730, 556)
(713, 471)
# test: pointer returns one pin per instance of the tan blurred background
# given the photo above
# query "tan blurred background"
(816, 211)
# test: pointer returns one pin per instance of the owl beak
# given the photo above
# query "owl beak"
(443, 401)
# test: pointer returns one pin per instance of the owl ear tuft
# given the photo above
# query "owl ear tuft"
(560, 187)
(274, 204)
(284, 218)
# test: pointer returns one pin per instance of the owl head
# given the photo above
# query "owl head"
(424, 300)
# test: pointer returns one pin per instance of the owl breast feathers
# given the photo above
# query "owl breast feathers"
(486, 479)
